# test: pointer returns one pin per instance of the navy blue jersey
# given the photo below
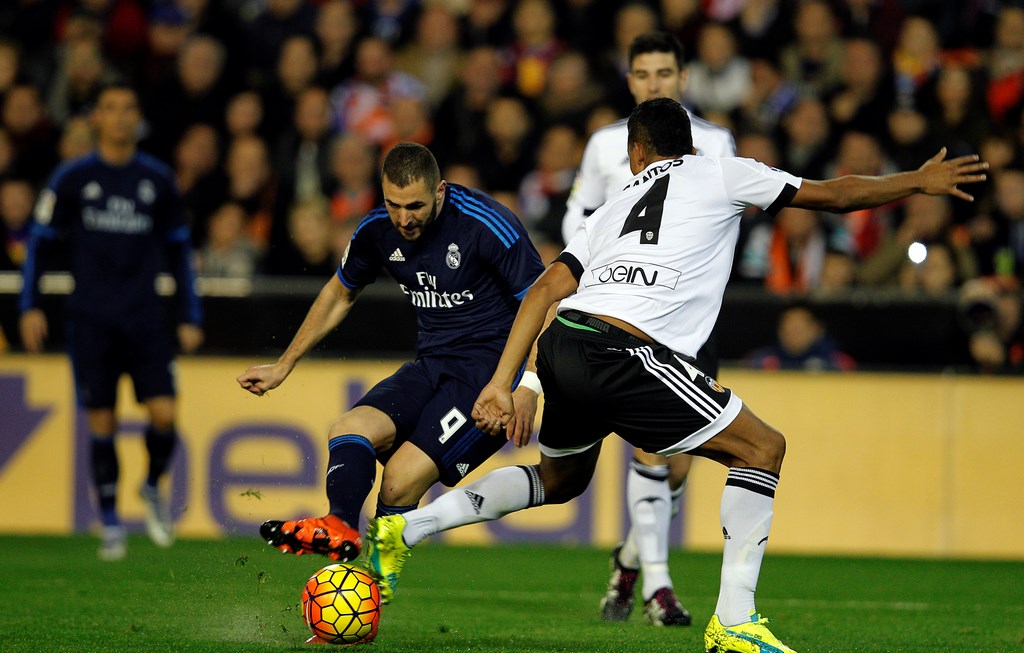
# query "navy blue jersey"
(465, 274)
(120, 221)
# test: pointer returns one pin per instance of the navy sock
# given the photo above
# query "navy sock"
(160, 445)
(351, 470)
(384, 509)
(105, 472)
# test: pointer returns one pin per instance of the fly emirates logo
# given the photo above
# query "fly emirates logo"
(429, 297)
(633, 273)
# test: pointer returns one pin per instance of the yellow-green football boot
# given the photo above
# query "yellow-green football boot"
(386, 553)
(749, 637)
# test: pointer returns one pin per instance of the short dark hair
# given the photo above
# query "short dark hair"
(656, 42)
(661, 125)
(117, 85)
(407, 163)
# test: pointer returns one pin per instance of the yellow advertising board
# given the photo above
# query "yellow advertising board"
(876, 464)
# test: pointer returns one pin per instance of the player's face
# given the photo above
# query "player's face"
(117, 116)
(413, 207)
(654, 75)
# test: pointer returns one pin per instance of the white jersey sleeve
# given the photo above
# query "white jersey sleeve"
(748, 181)
(579, 246)
(590, 188)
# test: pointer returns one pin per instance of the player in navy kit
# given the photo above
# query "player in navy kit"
(639, 288)
(465, 262)
(122, 214)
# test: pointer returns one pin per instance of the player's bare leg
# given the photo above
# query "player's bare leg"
(753, 451)
(408, 475)
(353, 443)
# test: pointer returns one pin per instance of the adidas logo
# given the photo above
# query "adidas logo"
(475, 499)
(396, 255)
(463, 468)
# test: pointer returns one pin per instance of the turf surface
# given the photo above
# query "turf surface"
(239, 595)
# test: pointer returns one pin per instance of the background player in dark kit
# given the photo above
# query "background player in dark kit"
(123, 216)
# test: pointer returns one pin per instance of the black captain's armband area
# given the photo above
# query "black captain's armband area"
(645, 216)
(782, 201)
(571, 262)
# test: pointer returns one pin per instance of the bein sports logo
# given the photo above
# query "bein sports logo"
(633, 273)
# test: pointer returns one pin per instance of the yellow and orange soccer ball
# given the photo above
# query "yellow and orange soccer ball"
(341, 605)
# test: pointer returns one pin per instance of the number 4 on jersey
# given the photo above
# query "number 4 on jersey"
(645, 216)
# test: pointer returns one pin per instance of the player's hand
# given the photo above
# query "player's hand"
(942, 177)
(190, 337)
(520, 429)
(34, 330)
(493, 409)
(261, 379)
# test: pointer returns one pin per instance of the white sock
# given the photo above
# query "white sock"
(650, 504)
(500, 492)
(746, 519)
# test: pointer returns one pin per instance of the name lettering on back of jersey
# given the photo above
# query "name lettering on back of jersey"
(118, 216)
(429, 297)
(654, 172)
(633, 273)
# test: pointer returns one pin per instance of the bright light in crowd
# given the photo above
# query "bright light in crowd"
(917, 253)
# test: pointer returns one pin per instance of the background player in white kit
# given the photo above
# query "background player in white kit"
(655, 70)
(648, 271)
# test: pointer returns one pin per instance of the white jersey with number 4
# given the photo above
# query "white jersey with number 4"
(659, 254)
(604, 170)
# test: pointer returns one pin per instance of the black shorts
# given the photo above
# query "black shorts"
(430, 400)
(605, 381)
(101, 352)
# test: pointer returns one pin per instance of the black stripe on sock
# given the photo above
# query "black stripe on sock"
(536, 487)
(753, 479)
(659, 473)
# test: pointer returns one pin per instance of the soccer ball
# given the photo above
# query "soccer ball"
(341, 605)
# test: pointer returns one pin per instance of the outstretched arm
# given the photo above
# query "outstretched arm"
(330, 308)
(525, 398)
(853, 192)
(494, 408)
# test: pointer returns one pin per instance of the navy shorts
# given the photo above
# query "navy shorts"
(598, 382)
(101, 352)
(430, 400)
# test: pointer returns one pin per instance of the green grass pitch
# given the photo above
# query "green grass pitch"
(240, 595)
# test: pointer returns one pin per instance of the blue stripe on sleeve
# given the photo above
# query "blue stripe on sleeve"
(31, 269)
(345, 282)
(373, 215)
(496, 222)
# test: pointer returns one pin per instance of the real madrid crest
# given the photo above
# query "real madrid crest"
(453, 258)
(147, 191)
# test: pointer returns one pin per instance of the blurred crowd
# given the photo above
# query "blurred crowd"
(275, 113)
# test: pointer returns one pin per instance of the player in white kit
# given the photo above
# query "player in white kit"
(648, 271)
(656, 70)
